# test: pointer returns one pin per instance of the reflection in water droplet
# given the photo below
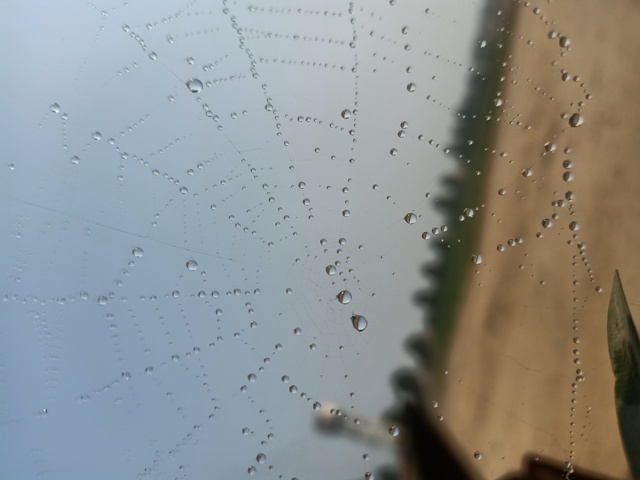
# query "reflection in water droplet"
(359, 322)
(344, 297)
(576, 120)
(194, 85)
(410, 218)
(192, 265)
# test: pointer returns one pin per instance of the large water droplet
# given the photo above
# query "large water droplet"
(192, 265)
(331, 270)
(54, 107)
(344, 297)
(576, 120)
(476, 258)
(261, 458)
(137, 252)
(346, 114)
(194, 85)
(359, 322)
(410, 218)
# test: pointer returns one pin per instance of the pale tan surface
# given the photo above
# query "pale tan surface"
(511, 367)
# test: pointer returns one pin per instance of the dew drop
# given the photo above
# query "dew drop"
(194, 85)
(576, 120)
(192, 265)
(410, 218)
(344, 297)
(359, 322)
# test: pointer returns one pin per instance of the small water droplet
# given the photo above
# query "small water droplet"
(410, 218)
(477, 455)
(192, 265)
(102, 300)
(576, 120)
(97, 136)
(476, 258)
(344, 297)
(261, 458)
(359, 322)
(137, 252)
(346, 114)
(331, 270)
(194, 85)
(411, 87)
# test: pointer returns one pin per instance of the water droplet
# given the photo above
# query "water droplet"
(102, 300)
(394, 431)
(547, 223)
(346, 114)
(573, 226)
(346, 213)
(137, 252)
(192, 265)
(359, 322)
(194, 85)
(477, 455)
(75, 160)
(317, 405)
(565, 42)
(411, 87)
(576, 120)
(410, 218)
(251, 470)
(344, 297)
(527, 172)
(476, 258)
(97, 136)
(331, 270)
(153, 56)
(261, 458)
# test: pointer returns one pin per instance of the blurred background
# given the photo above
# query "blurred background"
(298, 240)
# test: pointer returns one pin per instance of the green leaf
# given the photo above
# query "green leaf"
(624, 351)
